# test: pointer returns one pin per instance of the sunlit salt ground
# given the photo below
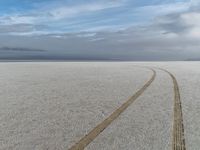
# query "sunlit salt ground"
(52, 105)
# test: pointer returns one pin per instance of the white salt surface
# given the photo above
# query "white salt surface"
(188, 77)
(52, 105)
(147, 123)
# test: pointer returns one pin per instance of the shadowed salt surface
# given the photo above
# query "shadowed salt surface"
(52, 105)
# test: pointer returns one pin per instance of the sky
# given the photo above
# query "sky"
(139, 30)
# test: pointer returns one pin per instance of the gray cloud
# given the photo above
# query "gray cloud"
(130, 44)
(171, 24)
(20, 28)
(170, 37)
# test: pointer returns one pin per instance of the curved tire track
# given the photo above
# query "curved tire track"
(87, 139)
(178, 142)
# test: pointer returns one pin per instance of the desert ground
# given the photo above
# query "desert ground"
(58, 105)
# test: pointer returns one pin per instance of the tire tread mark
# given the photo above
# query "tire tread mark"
(178, 142)
(87, 139)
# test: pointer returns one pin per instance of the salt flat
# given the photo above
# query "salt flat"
(188, 77)
(146, 124)
(51, 105)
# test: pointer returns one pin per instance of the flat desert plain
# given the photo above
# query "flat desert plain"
(100, 105)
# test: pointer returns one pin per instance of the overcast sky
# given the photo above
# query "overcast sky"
(100, 29)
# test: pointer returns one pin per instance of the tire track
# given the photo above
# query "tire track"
(87, 139)
(178, 142)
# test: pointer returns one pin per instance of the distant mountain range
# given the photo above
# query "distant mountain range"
(20, 49)
(193, 59)
(20, 53)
